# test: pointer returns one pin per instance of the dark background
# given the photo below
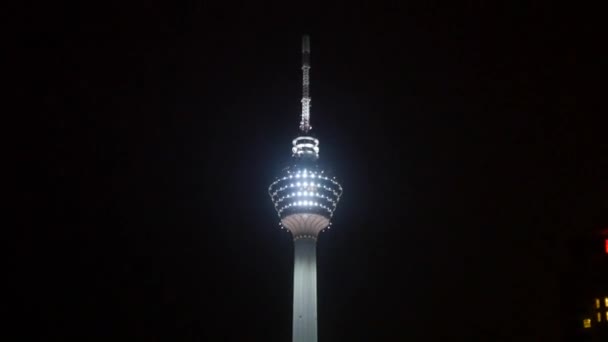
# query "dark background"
(470, 140)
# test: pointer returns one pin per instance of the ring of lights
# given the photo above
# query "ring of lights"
(305, 146)
(305, 200)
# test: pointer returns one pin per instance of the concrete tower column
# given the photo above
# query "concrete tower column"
(305, 290)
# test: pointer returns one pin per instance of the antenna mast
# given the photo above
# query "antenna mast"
(305, 122)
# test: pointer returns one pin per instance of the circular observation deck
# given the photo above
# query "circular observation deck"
(305, 199)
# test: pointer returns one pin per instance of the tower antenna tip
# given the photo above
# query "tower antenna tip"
(305, 44)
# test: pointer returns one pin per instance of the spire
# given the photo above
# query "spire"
(305, 122)
(305, 146)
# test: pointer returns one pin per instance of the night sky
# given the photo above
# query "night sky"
(470, 140)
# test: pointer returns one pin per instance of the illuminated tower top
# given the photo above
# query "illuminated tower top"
(305, 196)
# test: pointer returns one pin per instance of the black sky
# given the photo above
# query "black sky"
(469, 139)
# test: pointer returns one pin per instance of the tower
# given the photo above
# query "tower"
(305, 198)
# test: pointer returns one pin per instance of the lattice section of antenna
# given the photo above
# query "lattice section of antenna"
(305, 123)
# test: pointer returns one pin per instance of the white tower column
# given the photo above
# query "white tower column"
(305, 290)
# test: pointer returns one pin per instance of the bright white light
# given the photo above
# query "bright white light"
(305, 175)
(298, 175)
(299, 193)
(305, 183)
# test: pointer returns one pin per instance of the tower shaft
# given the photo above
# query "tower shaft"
(305, 290)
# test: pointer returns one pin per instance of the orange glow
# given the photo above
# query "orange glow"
(587, 323)
(606, 246)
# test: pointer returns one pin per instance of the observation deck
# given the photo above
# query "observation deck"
(305, 199)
